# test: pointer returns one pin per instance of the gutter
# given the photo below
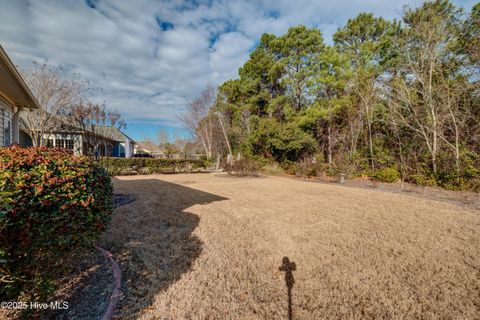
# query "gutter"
(11, 67)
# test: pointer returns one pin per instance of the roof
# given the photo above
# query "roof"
(111, 133)
(107, 132)
(12, 85)
(149, 146)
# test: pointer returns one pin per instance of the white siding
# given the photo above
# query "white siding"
(5, 120)
(76, 138)
(2, 117)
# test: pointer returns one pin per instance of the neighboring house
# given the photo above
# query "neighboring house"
(110, 141)
(67, 137)
(14, 96)
(123, 145)
(150, 148)
(143, 148)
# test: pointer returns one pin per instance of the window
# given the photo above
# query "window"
(50, 143)
(101, 149)
(69, 144)
(62, 143)
(7, 133)
(109, 150)
(59, 143)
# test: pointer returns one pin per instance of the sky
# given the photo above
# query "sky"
(151, 57)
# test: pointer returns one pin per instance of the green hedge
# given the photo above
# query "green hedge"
(52, 205)
(127, 166)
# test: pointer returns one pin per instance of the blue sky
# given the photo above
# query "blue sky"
(151, 57)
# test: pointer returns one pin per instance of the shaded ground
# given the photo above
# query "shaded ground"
(215, 247)
(87, 290)
(152, 238)
(88, 287)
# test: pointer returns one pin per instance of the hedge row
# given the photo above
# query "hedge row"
(129, 166)
(52, 205)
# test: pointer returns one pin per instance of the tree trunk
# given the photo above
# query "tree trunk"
(370, 145)
(457, 154)
(226, 137)
(434, 152)
(204, 146)
(217, 165)
(329, 144)
(434, 164)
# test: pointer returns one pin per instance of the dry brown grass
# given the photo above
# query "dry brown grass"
(210, 247)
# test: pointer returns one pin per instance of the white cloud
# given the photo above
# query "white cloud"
(150, 57)
(229, 52)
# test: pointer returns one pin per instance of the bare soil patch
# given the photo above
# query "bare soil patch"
(210, 247)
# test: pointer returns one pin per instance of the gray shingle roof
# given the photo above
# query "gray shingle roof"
(149, 146)
(111, 133)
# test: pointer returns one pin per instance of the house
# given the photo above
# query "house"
(109, 140)
(14, 96)
(148, 148)
(123, 145)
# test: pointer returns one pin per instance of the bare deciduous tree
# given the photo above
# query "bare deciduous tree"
(90, 117)
(225, 134)
(417, 97)
(162, 136)
(198, 119)
(55, 92)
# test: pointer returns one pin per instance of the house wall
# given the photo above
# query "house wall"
(6, 124)
(105, 146)
(122, 149)
(119, 149)
(75, 141)
(25, 140)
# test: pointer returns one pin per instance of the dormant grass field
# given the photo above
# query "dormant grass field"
(210, 246)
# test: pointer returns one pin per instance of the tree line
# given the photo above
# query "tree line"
(401, 95)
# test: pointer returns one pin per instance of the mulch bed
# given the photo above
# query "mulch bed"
(88, 287)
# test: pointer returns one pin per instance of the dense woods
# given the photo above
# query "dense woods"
(388, 97)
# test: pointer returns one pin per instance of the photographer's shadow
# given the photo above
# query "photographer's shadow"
(288, 267)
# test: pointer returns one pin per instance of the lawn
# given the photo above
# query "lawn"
(209, 246)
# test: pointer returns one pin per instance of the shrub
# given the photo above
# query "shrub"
(424, 180)
(52, 205)
(128, 166)
(273, 169)
(243, 167)
(387, 175)
(306, 168)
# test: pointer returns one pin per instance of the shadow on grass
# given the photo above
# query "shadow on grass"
(288, 267)
(152, 240)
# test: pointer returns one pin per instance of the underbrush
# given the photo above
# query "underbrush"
(243, 167)
(316, 167)
(387, 175)
(272, 169)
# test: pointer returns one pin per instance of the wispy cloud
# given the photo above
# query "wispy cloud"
(150, 57)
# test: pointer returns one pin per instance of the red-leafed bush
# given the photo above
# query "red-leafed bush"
(52, 205)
